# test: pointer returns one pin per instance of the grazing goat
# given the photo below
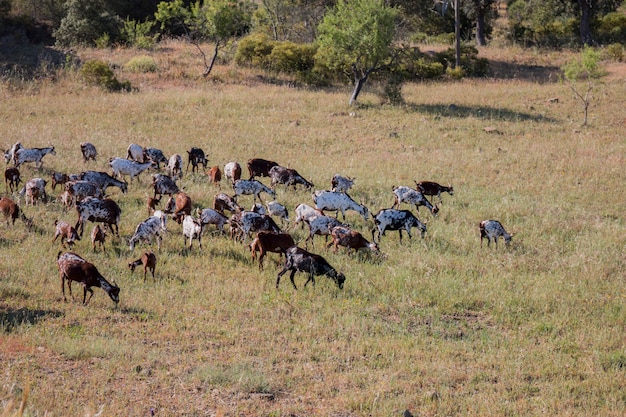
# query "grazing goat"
(258, 208)
(122, 167)
(493, 229)
(403, 194)
(103, 180)
(251, 187)
(35, 189)
(211, 216)
(11, 178)
(68, 233)
(341, 184)
(196, 157)
(98, 210)
(433, 189)
(192, 229)
(321, 225)
(164, 184)
(152, 203)
(89, 151)
(148, 260)
(215, 175)
(223, 202)
(98, 236)
(287, 176)
(11, 210)
(351, 239)
(78, 190)
(232, 171)
(305, 213)
(178, 207)
(298, 259)
(151, 228)
(175, 166)
(246, 222)
(270, 242)
(74, 268)
(274, 208)
(9, 155)
(338, 202)
(135, 153)
(32, 155)
(258, 167)
(392, 219)
(59, 178)
(155, 155)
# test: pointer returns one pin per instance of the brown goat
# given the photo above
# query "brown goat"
(148, 260)
(215, 174)
(351, 239)
(11, 210)
(74, 268)
(178, 207)
(270, 242)
(67, 232)
(58, 178)
(11, 178)
(152, 203)
(98, 235)
(258, 167)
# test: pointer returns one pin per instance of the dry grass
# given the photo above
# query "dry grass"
(437, 326)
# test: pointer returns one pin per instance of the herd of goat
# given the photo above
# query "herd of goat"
(87, 193)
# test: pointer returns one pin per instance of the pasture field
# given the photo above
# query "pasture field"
(439, 326)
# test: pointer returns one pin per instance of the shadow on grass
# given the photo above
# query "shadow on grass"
(479, 112)
(10, 319)
(502, 70)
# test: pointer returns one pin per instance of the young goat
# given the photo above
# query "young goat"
(232, 171)
(433, 189)
(392, 219)
(74, 268)
(148, 260)
(11, 178)
(11, 210)
(98, 235)
(493, 229)
(68, 233)
(89, 151)
(196, 157)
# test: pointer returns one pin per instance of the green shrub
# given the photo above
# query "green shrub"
(471, 64)
(87, 21)
(97, 73)
(292, 57)
(612, 28)
(254, 50)
(615, 52)
(141, 64)
(137, 34)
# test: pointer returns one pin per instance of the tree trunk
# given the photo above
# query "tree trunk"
(208, 68)
(457, 33)
(359, 82)
(585, 22)
(480, 28)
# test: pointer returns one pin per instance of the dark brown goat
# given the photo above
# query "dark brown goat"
(152, 203)
(59, 178)
(351, 239)
(11, 210)
(270, 242)
(12, 178)
(74, 268)
(148, 260)
(223, 202)
(260, 167)
(98, 236)
(433, 189)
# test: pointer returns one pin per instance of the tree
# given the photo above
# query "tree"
(481, 12)
(584, 68)
(86, 21)
(216, 21)
(357, 34)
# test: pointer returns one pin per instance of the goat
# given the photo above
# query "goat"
(11, 210)
(89, 151)
(175, 166)
(215, 175)
(178, 207)
(59, 178)
(403, 194)
(103, 180)
(341, 184)
(155, 155)
(196, 157)
(493, 229)
(164, 184)
(251, 187)
(298, 259)
(11, 178)
(232, 171)
(305, 213)
(192, 229)
(258, 167)
(351, 239)
(270, 242)
(74, 268)
(392, 219)
(98, 210)
(338, 202)
(79, 190)
(35, 189)
(9, 155)
(321, 225)
(151, 228)
(148, 260)
(32, 155)
(246, 222)
(211, 216)
(223, 202)
(135, 153)
(152, 203)
(274, 208)
(258, 208)
(98, 236)
(287, 176)
(433, 189)
(68, 233)
(122, 167)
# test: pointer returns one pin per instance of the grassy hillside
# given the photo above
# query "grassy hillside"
(439, 326)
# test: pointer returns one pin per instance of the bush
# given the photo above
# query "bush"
(87, 21)
(471, 64)
(254, 50)
(292, 58)
(137, 34)
(615, 52)
(97, 73)
(141, 64)
(612, 28)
